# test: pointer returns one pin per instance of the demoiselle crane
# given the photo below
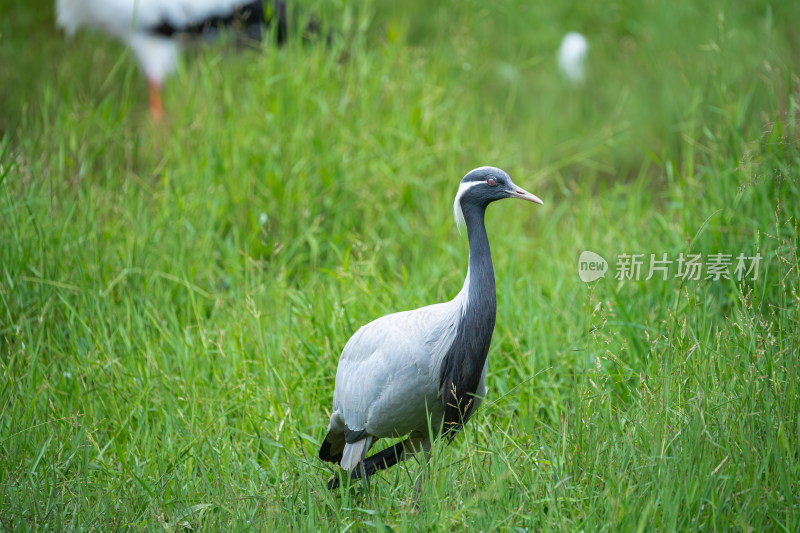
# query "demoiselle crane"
(150, 27)
(403, 370)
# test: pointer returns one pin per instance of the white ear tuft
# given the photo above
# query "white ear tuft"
(457, 211)
(458, 214)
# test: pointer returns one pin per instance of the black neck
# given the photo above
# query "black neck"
(463, 364)
(481, 272)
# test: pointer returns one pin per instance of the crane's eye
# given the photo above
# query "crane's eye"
(491, 182)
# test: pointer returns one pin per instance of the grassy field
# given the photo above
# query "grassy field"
(174, 297)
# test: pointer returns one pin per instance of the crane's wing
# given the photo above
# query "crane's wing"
(387, 382)
(121, 17)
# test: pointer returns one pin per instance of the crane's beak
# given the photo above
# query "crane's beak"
(522, 194)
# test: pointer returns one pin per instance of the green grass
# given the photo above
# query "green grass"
(174, 298)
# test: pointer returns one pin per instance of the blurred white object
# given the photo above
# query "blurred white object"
(572, 56)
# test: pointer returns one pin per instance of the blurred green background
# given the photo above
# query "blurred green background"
(174, 297)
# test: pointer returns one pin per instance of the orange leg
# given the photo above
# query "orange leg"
(156, 106)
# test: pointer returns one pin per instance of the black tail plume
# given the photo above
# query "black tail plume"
(377, 461)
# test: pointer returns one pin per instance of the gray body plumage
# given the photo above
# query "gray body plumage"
(410, 372)
(389, 375)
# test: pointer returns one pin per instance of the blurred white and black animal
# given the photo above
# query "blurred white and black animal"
(408, 373)
(152, 28)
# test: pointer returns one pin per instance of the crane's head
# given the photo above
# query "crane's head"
(484, 185)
